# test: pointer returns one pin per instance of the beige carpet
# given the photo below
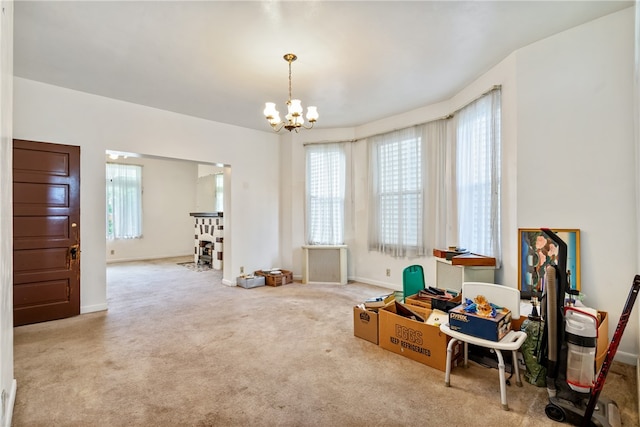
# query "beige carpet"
(178, 348)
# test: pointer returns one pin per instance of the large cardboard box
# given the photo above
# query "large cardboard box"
(488, 328)
(403, 331)
(603, 339)
(365, 324)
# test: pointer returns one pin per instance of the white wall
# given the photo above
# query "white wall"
(168, 197)
(7, 382)
(568, 162)
(49, 113)
(576, 154)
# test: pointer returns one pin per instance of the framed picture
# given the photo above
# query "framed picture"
(536, 251)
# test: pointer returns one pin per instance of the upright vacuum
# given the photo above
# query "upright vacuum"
(569, 350)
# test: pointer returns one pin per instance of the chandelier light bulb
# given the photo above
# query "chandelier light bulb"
(270, 109)
(312, 114)
(296, 107)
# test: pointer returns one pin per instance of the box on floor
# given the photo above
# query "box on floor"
(365, 324)
(250, 281)
(403, 331)
(602, 344)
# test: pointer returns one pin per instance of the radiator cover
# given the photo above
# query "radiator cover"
(324, 264)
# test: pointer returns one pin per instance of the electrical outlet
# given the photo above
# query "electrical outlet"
(241, 270)
(388, 272)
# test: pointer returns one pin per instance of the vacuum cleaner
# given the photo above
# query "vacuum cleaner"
(569, 349)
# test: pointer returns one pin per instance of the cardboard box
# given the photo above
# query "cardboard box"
(603, 339)
(488, 328)
(365, 324)
(434, 302)
(414, 339)
(250, 282)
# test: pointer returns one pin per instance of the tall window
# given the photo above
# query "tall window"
(478, 175)
(396, 181)
(219, 192)
(124, 201)
(326, 170)
(438, 184)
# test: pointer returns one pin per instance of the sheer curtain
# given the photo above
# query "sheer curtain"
(325, 193)
(437, 184)
(477, 153)
(124, 201)
(396, 191)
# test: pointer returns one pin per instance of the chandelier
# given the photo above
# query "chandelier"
(293, 120)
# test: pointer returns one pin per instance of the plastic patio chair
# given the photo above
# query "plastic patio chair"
(412, 280)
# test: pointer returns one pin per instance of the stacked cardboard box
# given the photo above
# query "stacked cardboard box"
(401, 329)
(488, 328)
(433, 301)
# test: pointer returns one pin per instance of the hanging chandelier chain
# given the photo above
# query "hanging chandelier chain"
(290, 79)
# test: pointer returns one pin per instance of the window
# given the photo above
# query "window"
(219, 192)
(478, 175)
(396, 212)
(438, 184)
(124, 201)
(326, 170)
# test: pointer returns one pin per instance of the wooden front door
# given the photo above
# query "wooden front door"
(46, 231)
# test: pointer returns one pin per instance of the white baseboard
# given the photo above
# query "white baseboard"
(8, 416)
(93, 308)
(390, 286)
(627, 358)
(146, 258)
(228, 282)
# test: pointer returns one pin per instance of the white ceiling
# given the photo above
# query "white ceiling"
(358, 61)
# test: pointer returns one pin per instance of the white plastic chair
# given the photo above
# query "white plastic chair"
(502, 296)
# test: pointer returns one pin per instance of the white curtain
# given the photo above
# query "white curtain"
(325, 193)
(477, 151)
(437, 184)
(396, 190)
(124, 201)
(219, 183)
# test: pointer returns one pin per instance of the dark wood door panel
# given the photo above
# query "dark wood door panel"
(28, 159)
(41, 227)
(42, 195)
(38, 261)
(52, 292)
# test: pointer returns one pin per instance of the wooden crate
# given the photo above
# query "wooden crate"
(276, 279)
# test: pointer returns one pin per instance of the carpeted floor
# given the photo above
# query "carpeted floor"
(178, 348)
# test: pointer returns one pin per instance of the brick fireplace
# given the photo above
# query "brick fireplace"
(209, 238)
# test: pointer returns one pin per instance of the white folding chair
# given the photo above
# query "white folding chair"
(502, 296)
